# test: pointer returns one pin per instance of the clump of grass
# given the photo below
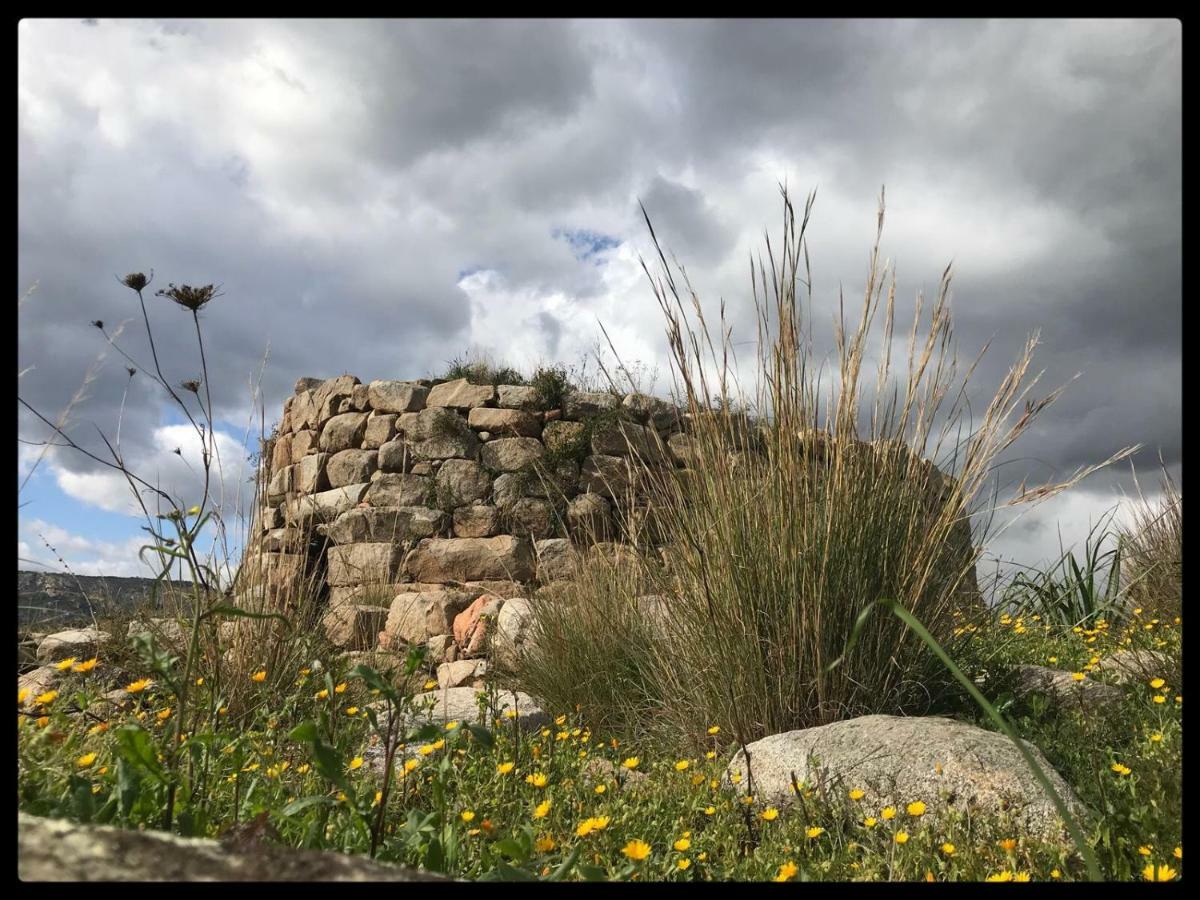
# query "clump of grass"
(801, 509)
(482, 370)
(551, 385)
(1153, 545)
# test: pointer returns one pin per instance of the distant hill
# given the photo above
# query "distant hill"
(56, 600)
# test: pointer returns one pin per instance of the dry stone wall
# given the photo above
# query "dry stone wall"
(416, 508)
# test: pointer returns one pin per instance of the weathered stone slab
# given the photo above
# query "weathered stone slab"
(326, 505)
(381, 428)
(354, 627)
(351, 467)
(512, 396)
(505, 422)
(582, 404)
(612, 476)
(304, 443)
(83, 643)
(398, 489)
(563, 436)
(344, 432)
(589, 518)
(511, 454)
(413, 618)
(442, 560)
(386, 524)
(395, 456)
(476, 521)
(896, 760)
(397, 396)
(533, 517)
(311, 475)
(556, 558)
(461, 482)
(440, 433)
(461, 394)
(364, 563)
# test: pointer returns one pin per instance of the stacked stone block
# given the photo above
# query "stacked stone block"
(412, 503)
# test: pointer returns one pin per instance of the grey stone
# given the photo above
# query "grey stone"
(563, 437)
(1126, 666)
(556, 558)
(306, 384)
(897, 760)
(508, 489)
(413, 618)
(363, 563)
(461, 394)
(442, 560)
(354, 627)
(683, 450)
(476, 521)
(381, 428)
(589, 518)
(439, 433)
(83, 643)
(304, 443)
(582, 404)
(62, 850)
(351, 467)
(612, 476)
(622, 438)
(461, 482)
(534, 517)
(360, 398)
(511, 396)
(326, 505)
(386, 524)
(395, 489)
(1062, 689)
(511, 454)
(397, 396)
(461, 673)
(343, 432)
(281, 452)
(395, 456)
(514, 632)
(38, 681)
(505, 422)
(311, 475)
(281, 485)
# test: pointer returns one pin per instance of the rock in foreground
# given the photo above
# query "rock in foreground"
(897, 760)
(58, 850)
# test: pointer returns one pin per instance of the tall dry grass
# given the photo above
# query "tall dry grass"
(1152, 567)
(805, 501)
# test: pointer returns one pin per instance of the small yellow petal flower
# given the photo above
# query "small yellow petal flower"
(901, 837)
(636, 850)
(1158, 873)
(46, 698)
(915, 809)
(681, 765)
(715, 729)
(856, 794)
(321, 694)
(870, 821)
(537, 779)
(63, 665)
(889, 812)
(467, 815)
(22, 696)
(631, 763)
(1159, 698)
(600, 788)
(709, 810)
(542, 809)
(544, 844)
(1078, 676)
(682, 844)
(356, 763)
(948, 848)
(86, 760)
(682, 864)
(1008, 844)
(163, 714)
(786, 872)
(1157, 683)
(770, 814)
(814, 832)
(1144, 850)
(504, 768)
(259, 676)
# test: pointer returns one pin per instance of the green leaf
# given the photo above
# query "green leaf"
(305, 802)
(306, 732)
(482, 735)
(136, 747)
(567, 865)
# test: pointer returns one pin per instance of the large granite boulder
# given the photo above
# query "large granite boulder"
(896, 760)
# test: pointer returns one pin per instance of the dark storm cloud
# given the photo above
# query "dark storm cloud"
(340, 177)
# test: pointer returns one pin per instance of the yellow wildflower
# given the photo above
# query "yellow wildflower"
(356, 763)
(542, 809)
(682, 844)
(948, 848)
(709, 810)
(856, 794)
(340, 688)
(1158, 873)
(544, 844)
(86, 760)
(63, 665)
(87, 665)
(631, 763)
(636, 850)
(814, 832)
(901, 837)
(889, 812)
(1157, 683)
(786, 872)
(770, 814)
(681, 765)
(504, 768)
(916, 808)
(714, 729)
(47, 698)
(682, 864)
(467, 815)
(537, 779)
(259, 676)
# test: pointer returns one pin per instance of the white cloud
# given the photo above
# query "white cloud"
(82, 555)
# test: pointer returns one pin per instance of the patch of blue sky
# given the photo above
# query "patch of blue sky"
(586, 244)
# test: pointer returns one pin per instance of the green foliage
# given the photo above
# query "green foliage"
(552, 386)
(1072, 593)
(482, 371)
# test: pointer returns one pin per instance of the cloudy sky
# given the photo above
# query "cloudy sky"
(381, 196)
